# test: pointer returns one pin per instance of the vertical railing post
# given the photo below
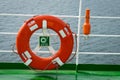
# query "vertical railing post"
(78, 34)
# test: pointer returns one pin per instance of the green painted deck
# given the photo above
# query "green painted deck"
(18, 71)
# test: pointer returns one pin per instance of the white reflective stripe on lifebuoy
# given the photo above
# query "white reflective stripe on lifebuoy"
(31, 23)
(62, 33)
(33, 27)
(44, 27)
(28, 62)
(58, 61)
(27, 54)
(44, 24)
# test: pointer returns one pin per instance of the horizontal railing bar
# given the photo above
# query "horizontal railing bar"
(102, 53)
(62, 16)
(10, 51)
(99, 35)
(8, 33)
(66, 16)
(6, 51)
(15, 33)
(104, 17)
(10, 14)
(91, 35)
(83, 53)
(29, 15)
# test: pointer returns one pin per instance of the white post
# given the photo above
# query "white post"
(78, 34)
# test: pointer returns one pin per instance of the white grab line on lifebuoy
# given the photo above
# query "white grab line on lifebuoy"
(58, 61)
(62, 33)
(28, 62)
(51, 49)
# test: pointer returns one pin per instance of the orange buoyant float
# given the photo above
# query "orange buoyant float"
(29, 57)
(86, 25)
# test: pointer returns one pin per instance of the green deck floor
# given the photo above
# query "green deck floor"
(85, 72)
(59, 75)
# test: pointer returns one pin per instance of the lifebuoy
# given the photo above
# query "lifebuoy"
(29, 57)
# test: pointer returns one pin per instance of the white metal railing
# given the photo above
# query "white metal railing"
(83, 53)
(81, 35)
(78, 33)
(62, 16)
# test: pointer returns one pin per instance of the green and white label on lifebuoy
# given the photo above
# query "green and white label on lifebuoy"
(44, 41)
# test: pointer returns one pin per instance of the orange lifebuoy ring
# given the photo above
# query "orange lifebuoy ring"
(29, 57)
